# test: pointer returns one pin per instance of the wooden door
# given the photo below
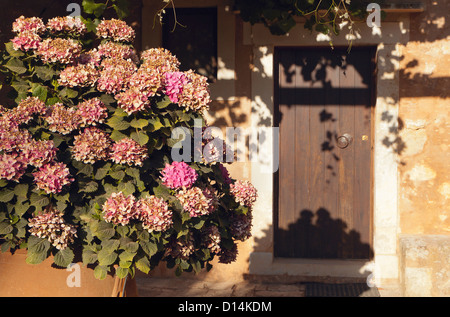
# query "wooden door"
(323, 107)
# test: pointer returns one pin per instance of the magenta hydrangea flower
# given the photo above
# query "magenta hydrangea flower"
(174, 83)
(119, 209)
(178, 174)
(225, 174)
(195, 94)
(52, 177)
(244, 193)
(154, 213)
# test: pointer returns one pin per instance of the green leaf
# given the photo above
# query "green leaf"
(121, 272)
(11, 51)
(16, 65)
(5, 228)
(110, 245)
(139, 123)
(6, 195)
(127, 256)
(90, 187)
(69, 93)
(117, 136)
(143, 265)
(91, 7)
(140, 137)
(106, 257)
(38, 245)
(118, 123)
(44, 72)
(64, 258)
(149, 247)
(105, 231)
(126, 188)
(39, 91)
(89, 256)
(35, 258)
(39, 201)
(118, 175)
(163, 103)
(100, 272)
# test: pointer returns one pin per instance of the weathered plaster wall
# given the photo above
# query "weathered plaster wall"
(424, 123)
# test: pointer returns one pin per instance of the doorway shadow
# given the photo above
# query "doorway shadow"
(316, 235)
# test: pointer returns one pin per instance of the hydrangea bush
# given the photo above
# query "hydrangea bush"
(85, 155)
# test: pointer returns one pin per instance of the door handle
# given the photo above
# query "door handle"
(344, 140)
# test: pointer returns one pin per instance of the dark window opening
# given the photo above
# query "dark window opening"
(194, 42)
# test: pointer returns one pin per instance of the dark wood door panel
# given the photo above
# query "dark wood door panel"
(323, 205)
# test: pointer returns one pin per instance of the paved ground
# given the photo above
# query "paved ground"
(178, 287)
(182, 287)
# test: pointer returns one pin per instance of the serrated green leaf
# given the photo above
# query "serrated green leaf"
(143, 265)
(44, 72)
(11, 51)
(89, 256)
(90, 187)
(6, 195)
(104, 231)
(106, 257)
(149, 247)
(64, 258)
(139, 123)
(100, 272)
(38, 245)
(35, 258)
(127, 256)
(110, 245)
(5, 228)
(121, 272)
(140, 137)
(118, 123)
(16, 65)
(118, 175)
(126, 188)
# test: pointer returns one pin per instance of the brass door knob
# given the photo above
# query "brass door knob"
(344, 140)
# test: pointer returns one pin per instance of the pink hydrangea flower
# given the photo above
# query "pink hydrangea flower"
(119, 209)
(60, 50)
(115, 50)
(11, 137)
(91, 112)
(33, 24)
(127, 151)
(195, 94)
(174, 83)
(62, 119)
(178, 174)
(147, 80)
(12, 167)
(82, 75)
(52, 226)
(132, 100)
(52, 177)
(154, 213)
(38, 153)
(244, 193)
(68, 24)
(197, 202)
(160, 59)
(115, 29)
(26, 41)
(91, 145)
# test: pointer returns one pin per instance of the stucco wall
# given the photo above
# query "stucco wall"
(424, 123)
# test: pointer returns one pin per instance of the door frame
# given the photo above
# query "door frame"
(384, 267)
(276, 123)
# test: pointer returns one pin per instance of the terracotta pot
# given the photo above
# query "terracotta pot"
(19, 279)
